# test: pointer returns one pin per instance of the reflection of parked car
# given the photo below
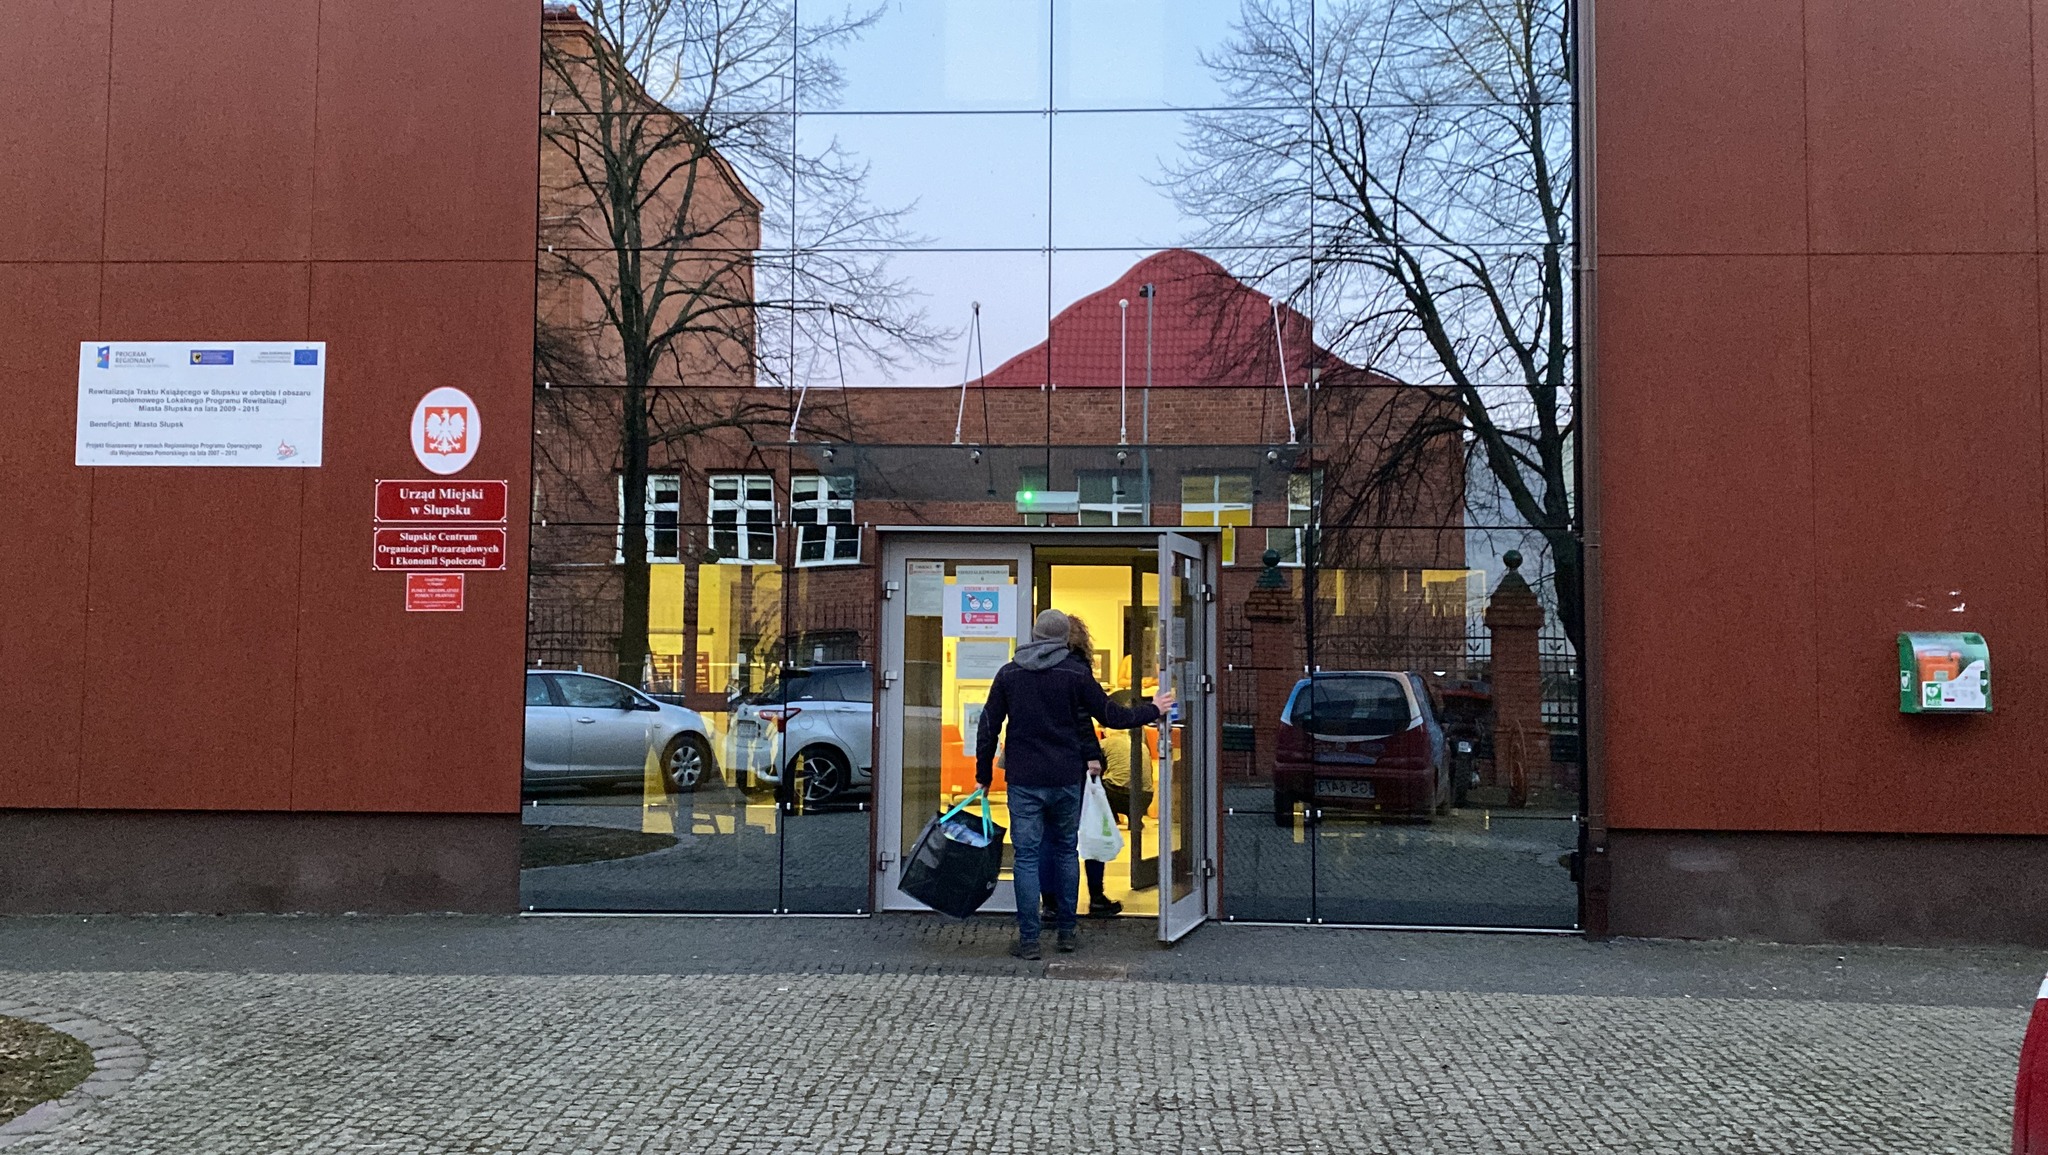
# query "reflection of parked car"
(817, 723)
(585, 730)
(1366, 740)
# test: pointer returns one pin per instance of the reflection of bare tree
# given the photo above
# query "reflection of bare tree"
(660, 120)
(1425, 144)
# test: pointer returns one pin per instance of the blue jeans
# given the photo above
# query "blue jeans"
(1045, 825)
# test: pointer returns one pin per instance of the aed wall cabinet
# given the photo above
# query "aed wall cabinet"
(1944, 674)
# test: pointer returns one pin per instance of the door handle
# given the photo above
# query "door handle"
(586, 721)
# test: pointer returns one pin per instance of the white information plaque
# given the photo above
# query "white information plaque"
(169, 403)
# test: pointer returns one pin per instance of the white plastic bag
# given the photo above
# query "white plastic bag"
(1100, 840)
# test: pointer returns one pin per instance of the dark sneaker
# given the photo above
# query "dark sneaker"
(1027, 949)
(1066, 942)
(1104, 908)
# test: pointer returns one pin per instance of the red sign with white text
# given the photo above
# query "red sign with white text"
(433, 592)
(439, 548)
(441, 501)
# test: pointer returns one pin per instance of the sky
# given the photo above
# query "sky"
(947, 102)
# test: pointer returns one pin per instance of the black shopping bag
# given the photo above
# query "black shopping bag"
(953, 867)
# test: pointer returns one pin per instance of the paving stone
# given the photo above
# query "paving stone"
(767, 1064)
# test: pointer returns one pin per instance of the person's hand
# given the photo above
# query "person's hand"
(984, 780)
(1094, 769)
(1164, 700)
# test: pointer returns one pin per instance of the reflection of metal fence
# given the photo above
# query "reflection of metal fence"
(578, 634)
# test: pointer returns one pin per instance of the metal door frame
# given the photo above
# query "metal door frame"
(1178, 917)
(901, 543)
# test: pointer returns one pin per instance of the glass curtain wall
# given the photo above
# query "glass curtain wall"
(1296, 270)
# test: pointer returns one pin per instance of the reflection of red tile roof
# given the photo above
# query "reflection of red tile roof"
(1208, 328)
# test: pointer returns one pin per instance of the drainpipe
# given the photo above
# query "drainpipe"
(1145, 417)
(1596, 870)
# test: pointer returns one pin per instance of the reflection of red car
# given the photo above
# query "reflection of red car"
(1363, 740)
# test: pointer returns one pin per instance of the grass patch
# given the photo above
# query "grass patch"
(576, 845)
(37, 1064)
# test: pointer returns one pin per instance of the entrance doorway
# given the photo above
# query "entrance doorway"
(958, 603)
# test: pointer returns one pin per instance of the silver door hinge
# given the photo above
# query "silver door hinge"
(882, 862)
(1207, 684)
(888, 678)
(1208, 868)
(889, 590)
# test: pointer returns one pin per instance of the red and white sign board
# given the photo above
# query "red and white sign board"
(433, 592)
(446, 430)
(441, 501)
(439, 548)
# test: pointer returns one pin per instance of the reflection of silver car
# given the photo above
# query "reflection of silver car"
(585, 730)
(816, 723)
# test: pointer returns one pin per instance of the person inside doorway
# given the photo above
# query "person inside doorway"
(1033, 708)
(1103, 763)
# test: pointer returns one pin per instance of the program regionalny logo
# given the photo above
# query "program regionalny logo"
(105, 355)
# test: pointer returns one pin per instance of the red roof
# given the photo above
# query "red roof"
(1208, 329)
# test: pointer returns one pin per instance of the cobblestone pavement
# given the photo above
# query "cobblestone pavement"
(916, 1054)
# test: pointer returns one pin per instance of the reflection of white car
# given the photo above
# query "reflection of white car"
(815, 723)
(585, 730)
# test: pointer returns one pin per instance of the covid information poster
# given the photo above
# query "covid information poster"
(179, 403)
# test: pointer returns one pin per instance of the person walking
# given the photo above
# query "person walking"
(1032, 711)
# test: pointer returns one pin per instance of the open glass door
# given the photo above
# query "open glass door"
(1187, 764)
(954, 614)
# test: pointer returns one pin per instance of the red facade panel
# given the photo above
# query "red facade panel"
(194, 577)
(400, 710)
(1920, 126)
(429, 99)
(1927, 406)
(214, 638)
(1702, 119)
(53, 76)
(44, 522)
(1711, 610)
(210, 130)
(1857, 447)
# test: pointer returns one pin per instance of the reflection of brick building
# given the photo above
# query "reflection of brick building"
(759, 540)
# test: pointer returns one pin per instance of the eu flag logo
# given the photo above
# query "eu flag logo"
(305, 356)
(213, 356)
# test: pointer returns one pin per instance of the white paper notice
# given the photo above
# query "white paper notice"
(926, 595)
(983, 575)
(201, 403)
(978, 661)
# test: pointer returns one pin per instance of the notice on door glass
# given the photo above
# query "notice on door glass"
(978, 661)
(925, 596)
(981, 611)
(187, 403)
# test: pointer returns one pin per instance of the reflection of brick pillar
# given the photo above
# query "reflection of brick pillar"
(1271, 609)
(1521, 746)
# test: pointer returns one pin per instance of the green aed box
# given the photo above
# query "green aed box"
(1944, 674)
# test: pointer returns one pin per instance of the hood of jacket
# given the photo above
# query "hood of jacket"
(1041, 655)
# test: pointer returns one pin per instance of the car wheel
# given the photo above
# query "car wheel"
(820, 776)
(687, 763)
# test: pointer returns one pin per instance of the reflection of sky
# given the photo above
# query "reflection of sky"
(947, 102)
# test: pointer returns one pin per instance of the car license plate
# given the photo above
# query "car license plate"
(1343, 788)
(746, 731)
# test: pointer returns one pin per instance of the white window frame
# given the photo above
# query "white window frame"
(813, 498)
(675, 483)
(1122, 508)
(1302, 494)
(751, 514)
(1216, 507)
